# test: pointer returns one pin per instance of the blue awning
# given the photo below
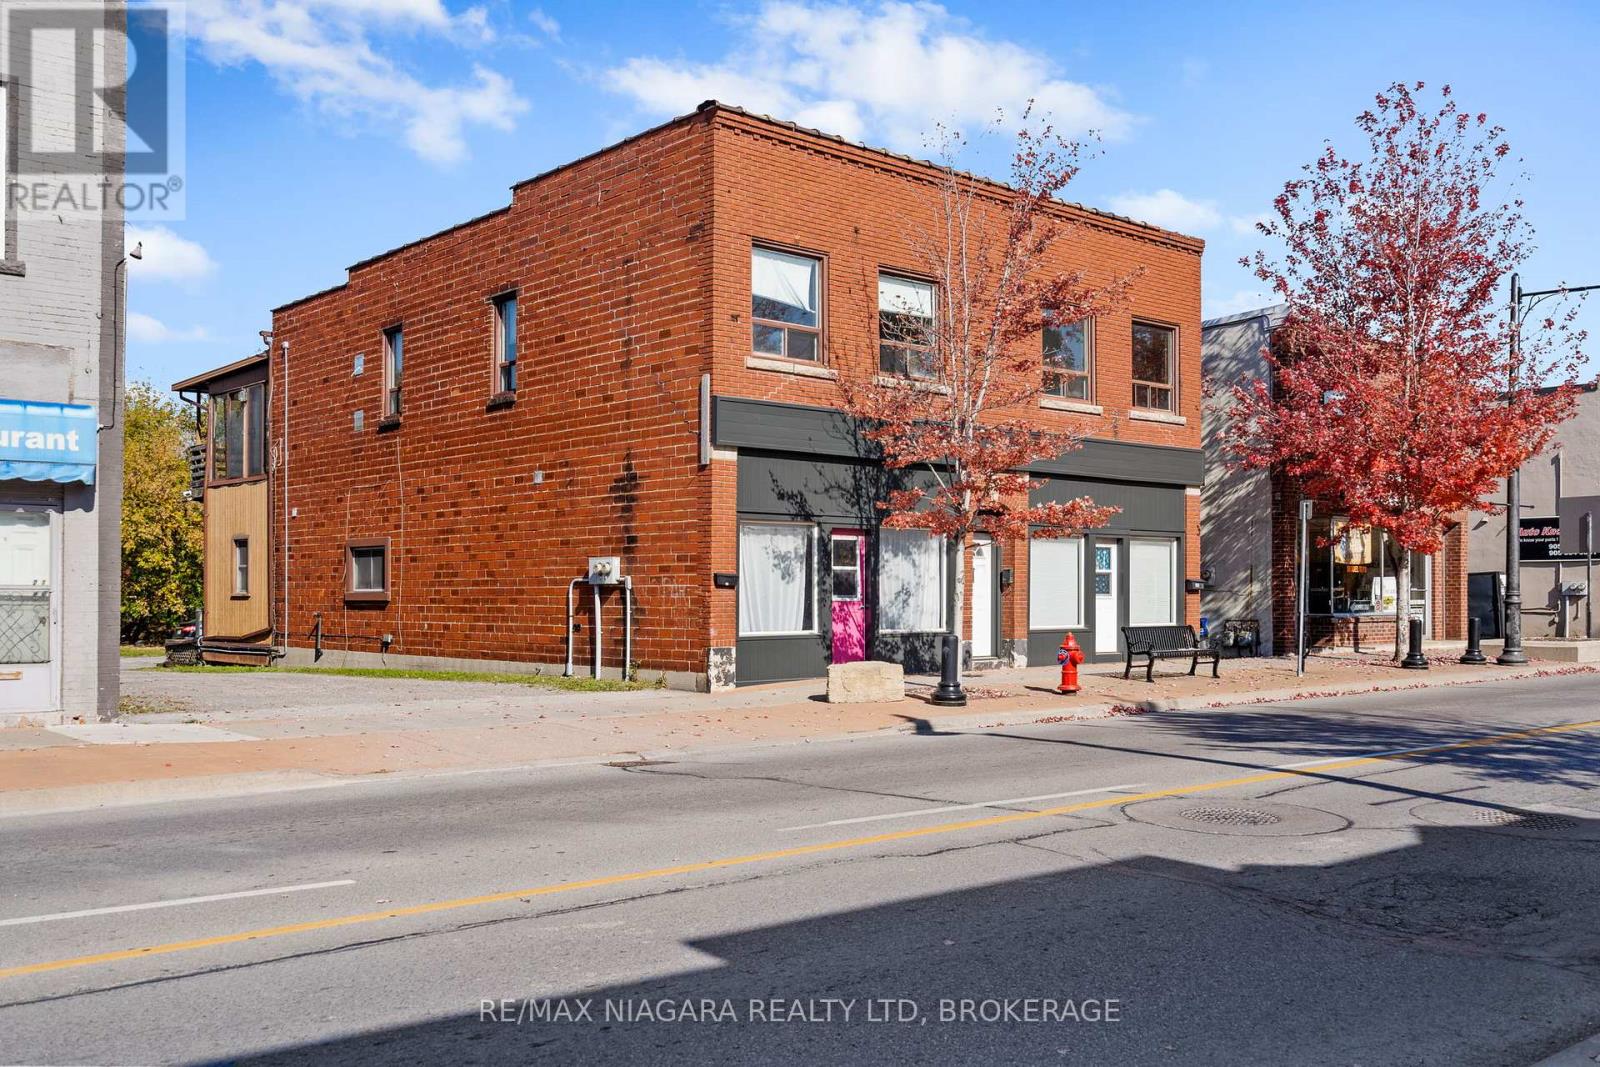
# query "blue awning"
(41, 442)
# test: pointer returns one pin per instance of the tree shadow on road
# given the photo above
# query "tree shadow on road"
(1466, 945)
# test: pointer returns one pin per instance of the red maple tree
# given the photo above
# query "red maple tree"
(963, 404)
(1396, 395)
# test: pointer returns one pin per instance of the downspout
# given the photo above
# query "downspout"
(285, 350)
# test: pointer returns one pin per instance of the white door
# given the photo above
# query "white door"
(27, 612)
(1105, 598)
(982, 596)
(1152, 581)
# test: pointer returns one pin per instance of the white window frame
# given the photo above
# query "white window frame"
(1174, 604)
(1038, 603)
(905, 346)
(816, 579)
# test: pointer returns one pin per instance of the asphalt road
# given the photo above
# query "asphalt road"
(1158, 890)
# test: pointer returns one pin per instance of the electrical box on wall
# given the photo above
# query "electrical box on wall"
(604, 570)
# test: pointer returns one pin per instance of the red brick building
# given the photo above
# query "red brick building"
(639, 358)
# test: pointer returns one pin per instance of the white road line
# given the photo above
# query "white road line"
(28, 919)
(941, 809)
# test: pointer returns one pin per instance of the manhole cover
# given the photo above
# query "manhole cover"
(1466, 814)
(1248, 818)
(1231, 816)
(1524, 820)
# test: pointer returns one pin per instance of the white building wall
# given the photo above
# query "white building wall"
(60, 320)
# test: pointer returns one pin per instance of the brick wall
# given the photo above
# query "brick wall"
(633, 273)
(1448, 594)
(609, 258)
(855, 209)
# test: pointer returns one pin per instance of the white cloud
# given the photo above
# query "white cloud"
(324, 53)
(151, 330)
(1245, 225)
(167, 257)
(888, 71)
(1168, 209)
(545, 24)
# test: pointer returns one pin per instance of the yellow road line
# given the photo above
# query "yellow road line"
(767, 857)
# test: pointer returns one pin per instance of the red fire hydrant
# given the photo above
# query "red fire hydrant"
(1069, 657)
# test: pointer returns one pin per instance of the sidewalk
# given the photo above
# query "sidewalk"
(208, 735)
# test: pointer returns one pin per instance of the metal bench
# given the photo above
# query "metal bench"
(1165, 642)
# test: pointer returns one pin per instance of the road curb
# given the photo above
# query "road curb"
(109, 795)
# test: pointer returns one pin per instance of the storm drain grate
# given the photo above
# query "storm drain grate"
(1524, 820)
(1230, 816)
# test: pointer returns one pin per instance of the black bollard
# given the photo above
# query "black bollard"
(1415, 660)
(1473, 654)
(949, 693)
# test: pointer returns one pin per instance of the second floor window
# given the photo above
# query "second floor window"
(238, 434)
(905, 327)
(1067, 352)
(1155, 353)
(393, 363)
(241, 566)
(785, 304)
(505, 343)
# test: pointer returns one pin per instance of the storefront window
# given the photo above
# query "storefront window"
(1359, 574)
(911, 581)
(777, 578)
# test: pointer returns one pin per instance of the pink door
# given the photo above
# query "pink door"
(848, 557)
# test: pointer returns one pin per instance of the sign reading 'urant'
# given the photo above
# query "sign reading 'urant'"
(42, 442)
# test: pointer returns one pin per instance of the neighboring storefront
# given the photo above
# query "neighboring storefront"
(47, 458)
(1355, 577)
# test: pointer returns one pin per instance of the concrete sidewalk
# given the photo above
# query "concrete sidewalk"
(239, 733)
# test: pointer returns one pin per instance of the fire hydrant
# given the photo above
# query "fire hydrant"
(1069, 657)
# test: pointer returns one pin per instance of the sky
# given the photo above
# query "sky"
(320, 132)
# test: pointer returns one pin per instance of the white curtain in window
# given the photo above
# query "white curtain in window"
(1055, 583)
(774, 579)
(911, 586)
(1152, 581)
(904, 296)
(783, 278)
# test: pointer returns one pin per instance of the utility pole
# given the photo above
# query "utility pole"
(1511, 653)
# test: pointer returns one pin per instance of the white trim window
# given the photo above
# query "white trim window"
(777, 578)
(1152, 581)
(1055, 583)
(911, 582)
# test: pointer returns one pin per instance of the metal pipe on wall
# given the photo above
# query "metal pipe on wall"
(597, 646)
(627, 626)
(570, 587)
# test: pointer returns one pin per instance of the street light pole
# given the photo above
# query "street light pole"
(1511, 653)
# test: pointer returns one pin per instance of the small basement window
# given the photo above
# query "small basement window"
(367, 564)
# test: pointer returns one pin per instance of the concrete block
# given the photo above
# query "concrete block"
(866, 682)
